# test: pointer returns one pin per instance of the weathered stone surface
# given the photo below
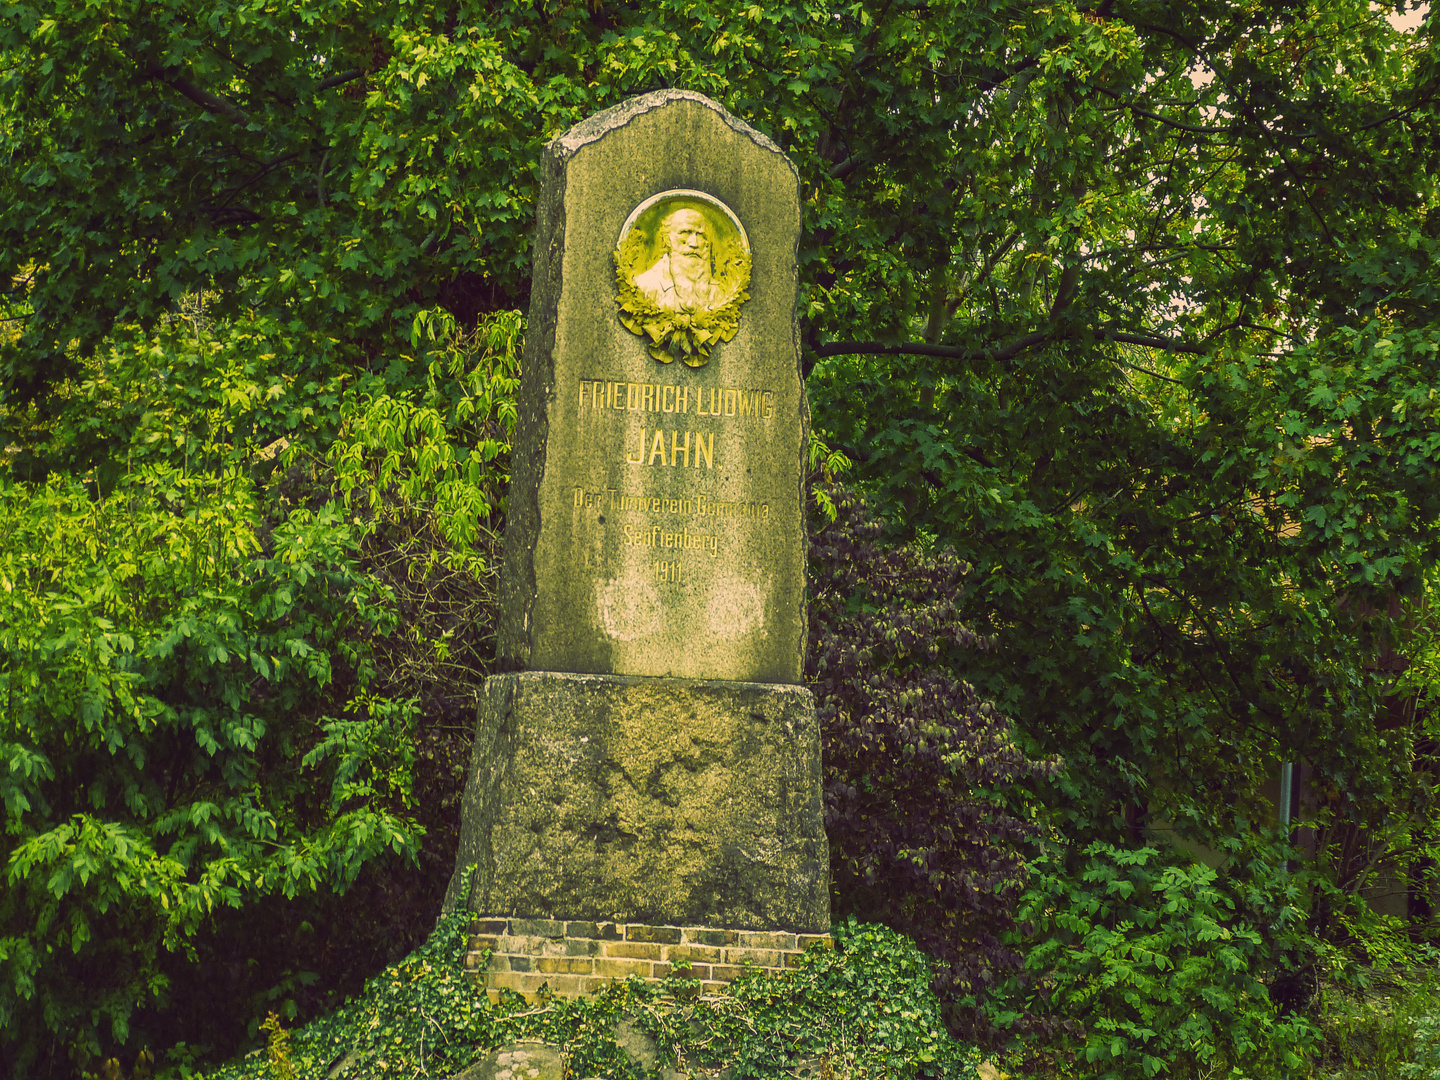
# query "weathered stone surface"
(640, 1050)
(654, 535)
(518, 1061)
(637, 1046)
(609, 798)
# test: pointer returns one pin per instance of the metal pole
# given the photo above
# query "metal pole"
(1287, 783)
(1287, 789)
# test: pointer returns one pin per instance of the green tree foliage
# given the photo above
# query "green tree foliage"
(211, 673)
(175, 736)
(1159, 380)
(329, 162)
(917, 768)
(1153, 972)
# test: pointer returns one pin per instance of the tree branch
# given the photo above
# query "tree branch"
(339, 79)
(224, 205)
(1156, 116)
(1194, 47)
(1396, 115)
(881, 348)
(998, 254)
(206, 100)
(1150, 342)
(1147, 371)
(1004, 352)
(1242, 324)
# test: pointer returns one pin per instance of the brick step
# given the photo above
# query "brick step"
(575, 958)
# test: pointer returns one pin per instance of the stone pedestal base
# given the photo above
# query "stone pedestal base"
(568, 959)
(665, 802)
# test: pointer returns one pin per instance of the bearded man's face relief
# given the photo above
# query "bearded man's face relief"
(682, 270)
(684, 277)
(689, 247)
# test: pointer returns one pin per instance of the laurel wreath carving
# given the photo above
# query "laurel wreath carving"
(686, 336)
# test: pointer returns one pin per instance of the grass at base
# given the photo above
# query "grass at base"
(1371, 1033)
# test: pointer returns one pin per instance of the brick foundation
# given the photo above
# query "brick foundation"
(574, 958)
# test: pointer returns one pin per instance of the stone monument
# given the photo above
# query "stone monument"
(647, 773)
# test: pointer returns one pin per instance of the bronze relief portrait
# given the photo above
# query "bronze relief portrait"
(682, 268)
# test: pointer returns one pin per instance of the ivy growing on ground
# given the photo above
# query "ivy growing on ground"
(864, 1009)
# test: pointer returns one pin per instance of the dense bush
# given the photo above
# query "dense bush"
(227, 699)
(917, 768)
(187, 727)
(424, 470)
(1155, 968)
(1426, 1065)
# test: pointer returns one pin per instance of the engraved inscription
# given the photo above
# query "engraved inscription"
(719, 508)
(679, 451)
(614, 501)
(675, 447)
(657, 537)
(670, 535)
(684, 533)
(717, 401)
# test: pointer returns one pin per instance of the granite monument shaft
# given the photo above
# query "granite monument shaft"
(650, 756)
